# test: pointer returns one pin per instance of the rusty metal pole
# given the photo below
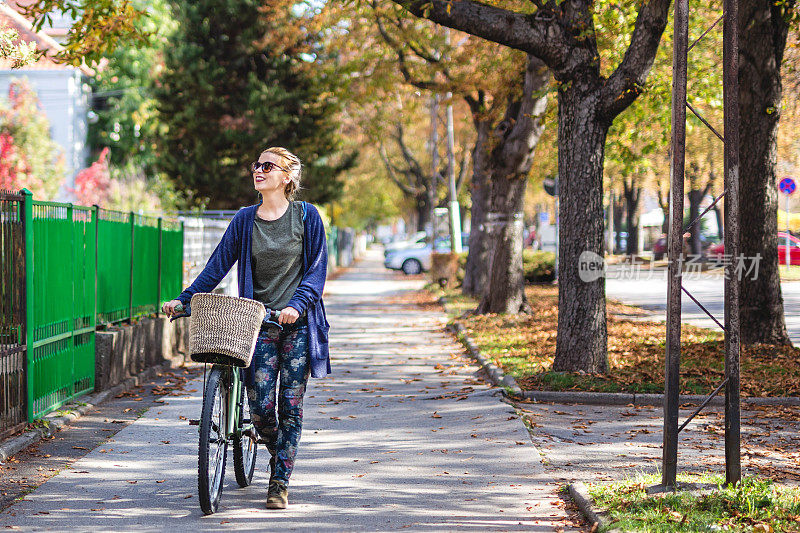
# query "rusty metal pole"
(669, 465)
(730, 77)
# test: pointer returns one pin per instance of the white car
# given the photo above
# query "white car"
(417, 258)
(416, 239)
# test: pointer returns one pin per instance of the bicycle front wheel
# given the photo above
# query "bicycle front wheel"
(213, 448)
(244, 444)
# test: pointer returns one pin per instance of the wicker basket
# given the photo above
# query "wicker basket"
(223, 329)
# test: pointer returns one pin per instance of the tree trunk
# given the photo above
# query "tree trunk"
(763, 33)
(720, 225)
(695, 198)
(506, 290)
(476, 272)
(632, 196)
(664, 205)
(514, 142)
(582, 336)
(423, 211)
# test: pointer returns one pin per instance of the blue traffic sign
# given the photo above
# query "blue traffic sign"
(787, 186)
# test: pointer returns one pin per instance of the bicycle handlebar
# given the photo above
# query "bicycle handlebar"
(270, 319)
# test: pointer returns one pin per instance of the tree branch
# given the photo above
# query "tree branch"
(413, 165)
(462, 170)
(432, 58)
(523, 124)
(710, 183)
(390, 169)
(538, 34)
(627, 81)
(426, 85)
(663, 203)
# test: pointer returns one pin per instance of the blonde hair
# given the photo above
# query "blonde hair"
(292, 166)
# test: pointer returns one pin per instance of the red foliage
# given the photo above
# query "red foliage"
(12, 163)
(92, 184)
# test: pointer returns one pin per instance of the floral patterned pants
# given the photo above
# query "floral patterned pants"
(283, 359)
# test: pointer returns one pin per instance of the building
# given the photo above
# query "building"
(64, 94)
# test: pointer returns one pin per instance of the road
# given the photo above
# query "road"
(650, 292)
(401, 436)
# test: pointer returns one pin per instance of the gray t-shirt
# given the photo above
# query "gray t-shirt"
(278, 257)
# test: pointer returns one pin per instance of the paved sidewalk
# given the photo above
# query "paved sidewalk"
(401, 436)
(612, 442)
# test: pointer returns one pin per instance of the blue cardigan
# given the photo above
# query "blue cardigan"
(236, 244)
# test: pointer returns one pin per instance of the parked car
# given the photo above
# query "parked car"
(417, 259)
(716, 251)
(416, 239)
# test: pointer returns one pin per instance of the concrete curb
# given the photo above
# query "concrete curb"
(496, 375)
(657, 400)
(580, 495)
(77, 408)
(592, 398)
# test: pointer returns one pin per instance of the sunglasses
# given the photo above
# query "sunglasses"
(266, 166)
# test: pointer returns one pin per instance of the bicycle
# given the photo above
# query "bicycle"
(225, 417)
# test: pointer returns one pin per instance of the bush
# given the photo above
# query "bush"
(539, 267)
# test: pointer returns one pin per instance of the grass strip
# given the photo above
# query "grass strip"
(753, 505)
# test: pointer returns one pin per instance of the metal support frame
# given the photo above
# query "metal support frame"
(133, 258)
(730, 84)
(675, 245)
(27, 218)
(731, 327)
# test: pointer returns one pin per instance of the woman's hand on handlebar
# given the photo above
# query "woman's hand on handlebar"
(289, 315)
(169, 307)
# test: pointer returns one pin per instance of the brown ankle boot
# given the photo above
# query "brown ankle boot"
(277, 495)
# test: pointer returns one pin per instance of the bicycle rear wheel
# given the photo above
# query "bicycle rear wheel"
(213, 448)
(244, 444)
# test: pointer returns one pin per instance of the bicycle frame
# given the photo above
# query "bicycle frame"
(231, 402)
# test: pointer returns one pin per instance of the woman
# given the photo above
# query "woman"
(282, 253)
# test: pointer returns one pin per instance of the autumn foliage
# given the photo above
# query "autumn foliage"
(29, 158)
(92, 184)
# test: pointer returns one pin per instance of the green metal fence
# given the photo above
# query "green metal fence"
(333, 248)
(61, 303)
(129, 288)
(87, 266)
(114, 266)
(171, 262)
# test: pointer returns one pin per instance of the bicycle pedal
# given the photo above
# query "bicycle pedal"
(194, 422)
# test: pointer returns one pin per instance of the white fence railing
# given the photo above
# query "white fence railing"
(200, 237)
